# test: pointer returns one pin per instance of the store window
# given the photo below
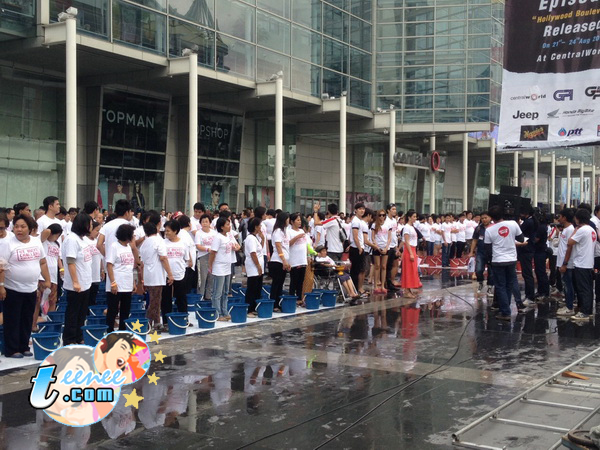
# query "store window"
(368, 176)
(309, 197)
(133, 150)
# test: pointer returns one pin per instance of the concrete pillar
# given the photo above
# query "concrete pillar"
(392, 151)
(193, 133)
(516, 169)
(569, 183)
(581, 177)
(343, 104)
(465, 181)
(432, 179)
(553, 183)
(593, 186)
(536, 164)
(492, 166)
(279, 143)
(70, 199)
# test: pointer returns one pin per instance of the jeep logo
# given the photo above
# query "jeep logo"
(526, 115)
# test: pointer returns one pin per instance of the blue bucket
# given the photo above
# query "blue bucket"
(97, 310)
(236, 299)
(264, 308)
(194, 298)
(101, 301)
(50, 327)
(204, 304)
(137, 314)
(207, 317)
(56, 316)
(92, 334)
(238, 313)
(145, 326)
(312, 301)
(95, 320)
(328, 298)
(288, 304)
(102, 286)
(178, 323)
(44, 344)
(135, 306)
(236, 286)
(1, 340)
(137, 298)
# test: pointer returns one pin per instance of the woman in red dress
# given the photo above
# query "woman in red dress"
(410, 269)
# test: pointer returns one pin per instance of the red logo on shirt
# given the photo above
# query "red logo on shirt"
(127, 259)
(28, 254)
(53, 251)
(593, 236)
(503, 231)
(174, 252)
(87, 253)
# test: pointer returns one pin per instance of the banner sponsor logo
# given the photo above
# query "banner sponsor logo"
(593, 91)
(598, 131)
(532, 97)
(575, 132)
(553, 114)
(534, 133)
(563, 94)
(526, 115)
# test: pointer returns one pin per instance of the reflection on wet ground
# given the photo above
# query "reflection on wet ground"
(298, 382)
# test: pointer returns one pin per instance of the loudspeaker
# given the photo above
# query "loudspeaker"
(511, 204)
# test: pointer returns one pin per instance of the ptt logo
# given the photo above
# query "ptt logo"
(563, 94)
(593, 91)
(563, 132)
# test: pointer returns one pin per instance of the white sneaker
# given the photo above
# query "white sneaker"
(490, 291)
(528, 302)
(564, 311)
(581, 316)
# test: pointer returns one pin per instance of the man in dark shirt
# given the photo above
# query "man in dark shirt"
(478, 250)
(526, 250)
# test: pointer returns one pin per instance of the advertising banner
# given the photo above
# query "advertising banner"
(551, 76)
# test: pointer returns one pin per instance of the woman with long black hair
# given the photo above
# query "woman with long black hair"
(279, 265)
(298, 255)
(253, 247)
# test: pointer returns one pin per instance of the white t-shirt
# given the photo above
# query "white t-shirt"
(325, 260)
(447, 232)
(436, 237)
(45, 221)
(332, 234)
(223, 247)
(188, 240)
(392, 224)
(252, 245)
(269, 224)
(461, 235)
(454, 236)
(139, 233)
(150, 251)
(298, 249)
(178, 254)
(52, 256)
(233, 239)
(195, 224)
(381, 237)
(23, 259)
(583, 251)
(425, 230)
(109, 231)
(205, 240)
(320, 233)
(263, 228)
(97, 260)
(503, 236)
(283, 238)
(413, 238)
(356, 224)
(553, 233)
(471, 225)
(121, 257)
(563, 240)
(75, 247)
(596, 222)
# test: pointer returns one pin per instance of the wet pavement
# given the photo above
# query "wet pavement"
(404, 374)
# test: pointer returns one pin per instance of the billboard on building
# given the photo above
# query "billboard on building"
(551, 76)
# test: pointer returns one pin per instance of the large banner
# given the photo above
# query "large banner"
(551, 76)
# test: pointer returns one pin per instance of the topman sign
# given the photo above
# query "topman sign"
(128, 119)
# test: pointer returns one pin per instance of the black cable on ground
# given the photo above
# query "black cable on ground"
(402, 387)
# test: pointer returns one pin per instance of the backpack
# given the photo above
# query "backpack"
(343, 235)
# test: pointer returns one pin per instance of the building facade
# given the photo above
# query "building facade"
(438, 62)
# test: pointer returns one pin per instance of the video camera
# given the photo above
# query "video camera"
(511, 201)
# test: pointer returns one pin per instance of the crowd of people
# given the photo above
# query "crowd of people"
(165, 256)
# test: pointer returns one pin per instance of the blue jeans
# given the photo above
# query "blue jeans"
(219, 294)
(567, 280)
(505, 277)
(445, 255)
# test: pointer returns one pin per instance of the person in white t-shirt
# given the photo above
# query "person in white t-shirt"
(565, 265)
(204, 238)
(410, 264)
(199, 211)
(437, 229)
(446, 229)
(179, 261)
(279, 265)
(502, 236)
(430, 240)
(269, 224)
(583, 243)
(26, 261)
(157, 272)
(52, 209)
(97, 262)
(332, 227)
(298, 255)
(382, 237)
(357, 246)
(471, 222)
(219, 265)
(76, 254)
(120, 263)
(55, 268)
(191, 277)
(253, 248)
(461, 240)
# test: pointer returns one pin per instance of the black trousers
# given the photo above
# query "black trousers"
(540, 273)
(191, 279)
(93, 294)
(525, 259)
(583, 281)
(460, 248)
(77, 310)
(278, 276)
(119, 303)
(553, 271)
(18, 319)
(297, 280)
(179, 291)
(356, 269)
(597, 278)
(453, 250)
(390, 265)
(253, 291)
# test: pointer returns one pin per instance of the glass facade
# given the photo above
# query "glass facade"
(321, 47)
(17, 19)
(440, 61)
